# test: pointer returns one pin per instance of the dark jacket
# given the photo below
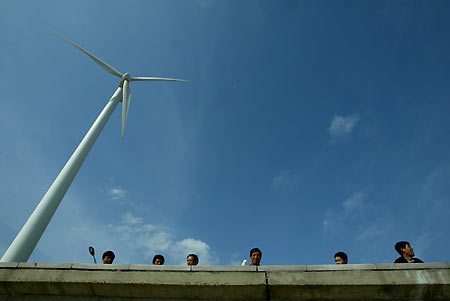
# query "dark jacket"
(402, 259)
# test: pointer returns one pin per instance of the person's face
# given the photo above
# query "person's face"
(408, 251)
(158, 261)
(191, 261)
(108, 260)
(339, 260)
(255, 258)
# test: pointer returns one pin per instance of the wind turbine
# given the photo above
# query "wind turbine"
(25, 242)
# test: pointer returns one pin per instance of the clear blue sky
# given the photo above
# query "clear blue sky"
(308, 127)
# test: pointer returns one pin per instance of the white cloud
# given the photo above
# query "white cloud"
(132, 240)
(145, 238)
(327, 223)
(205, 3)
(117, 193)
(434, 205)
(342, 125)
(190, 245)
(129, 219)
(351, 216)
(119, 196)
(424, 242)
(356, 223)
(148, 240)
(236, 259)
(69, 234)
(352, 208)
(286, 179)
(370, 233)
(355, 201)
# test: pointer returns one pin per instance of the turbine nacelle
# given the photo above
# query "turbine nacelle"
(126, 76)
(124, 83)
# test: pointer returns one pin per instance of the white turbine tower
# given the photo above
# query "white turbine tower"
(25, 242)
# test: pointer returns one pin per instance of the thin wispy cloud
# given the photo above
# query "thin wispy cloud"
(350, 208)
(434, 203)
(236, 259)
(117, 193)
(370, 233)
(342, 125)
(357, 221)
(355, 201)
(205, 4)
(129, 219)
(119, 196)
(285, 179)
(71, 231)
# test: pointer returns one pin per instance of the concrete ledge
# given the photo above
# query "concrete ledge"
(432, 283)
(27, 281)
(287, 268)
(228, 268)
(341, 267)
(416, 266)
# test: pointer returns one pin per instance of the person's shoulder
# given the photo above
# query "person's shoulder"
(417, 260)
(401, 260)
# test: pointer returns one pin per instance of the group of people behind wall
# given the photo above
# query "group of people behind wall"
(402, 247)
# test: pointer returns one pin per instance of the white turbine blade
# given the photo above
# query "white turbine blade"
(128, 104)
(102, 64)
(157, 79)
(125, 105)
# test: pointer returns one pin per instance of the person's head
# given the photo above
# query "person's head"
(108, 257)
(404, 249)
(340, 258)
(192, 259)
(158, 260)
(255, 256)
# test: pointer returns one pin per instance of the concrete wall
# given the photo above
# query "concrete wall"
(40, 281)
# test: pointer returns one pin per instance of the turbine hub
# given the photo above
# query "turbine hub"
(126, 76)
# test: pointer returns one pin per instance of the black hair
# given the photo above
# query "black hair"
(160, 257)
(400, 245)
(109, 253)
(341, 255)
(255, 250)
(193, 255)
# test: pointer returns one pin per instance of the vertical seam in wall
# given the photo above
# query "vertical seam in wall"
(267, 286)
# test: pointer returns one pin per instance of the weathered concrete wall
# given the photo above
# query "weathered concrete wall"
(39, 281)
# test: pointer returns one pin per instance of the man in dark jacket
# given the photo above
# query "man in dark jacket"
(406, 253)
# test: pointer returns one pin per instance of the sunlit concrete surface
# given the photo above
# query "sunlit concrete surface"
(41, 281)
